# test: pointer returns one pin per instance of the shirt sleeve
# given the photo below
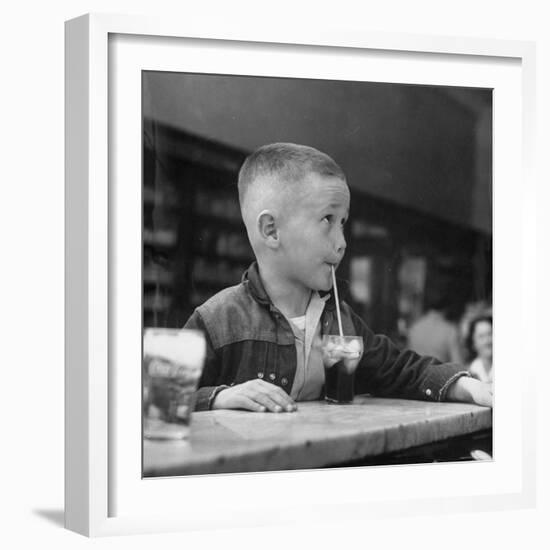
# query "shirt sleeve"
(207, 387)
(387, 371)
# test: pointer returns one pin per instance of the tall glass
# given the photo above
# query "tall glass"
(173, 360)
(341, 355)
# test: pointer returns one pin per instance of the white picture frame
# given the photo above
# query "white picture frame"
(95, 446)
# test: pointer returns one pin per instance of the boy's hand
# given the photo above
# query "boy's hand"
(471, 390)
(254, 395)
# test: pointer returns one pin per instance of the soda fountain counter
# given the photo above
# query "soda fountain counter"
(366, 432)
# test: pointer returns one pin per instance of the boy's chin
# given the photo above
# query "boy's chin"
(324, 286)
(318, 284)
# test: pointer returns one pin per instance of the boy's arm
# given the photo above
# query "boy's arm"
(208, 387)
(471, 390)
(387, 371)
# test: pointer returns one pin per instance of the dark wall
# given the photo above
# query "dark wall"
(414, 145)
(195, 242)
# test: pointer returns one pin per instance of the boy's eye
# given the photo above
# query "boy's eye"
(330, 219)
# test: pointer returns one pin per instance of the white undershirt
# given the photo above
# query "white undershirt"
(310, 375)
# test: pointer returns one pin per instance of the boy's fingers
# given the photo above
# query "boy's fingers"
(485, 398)
(280, 397)
(284, 401)
(249, 404)
(275, 397)
(266, 400)
(277, 394)
(283, 398)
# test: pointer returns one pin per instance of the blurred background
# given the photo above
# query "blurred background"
(418, 161)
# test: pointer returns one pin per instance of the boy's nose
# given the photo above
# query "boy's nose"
(341, 244)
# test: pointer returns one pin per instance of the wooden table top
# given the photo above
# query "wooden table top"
(318, 434)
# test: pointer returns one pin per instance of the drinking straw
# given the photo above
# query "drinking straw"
(337, 302)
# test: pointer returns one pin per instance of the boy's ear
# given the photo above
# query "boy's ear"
(267, 227)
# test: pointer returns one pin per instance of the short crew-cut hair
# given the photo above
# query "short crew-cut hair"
(286, 161)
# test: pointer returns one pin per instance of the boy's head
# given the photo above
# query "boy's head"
(294, 201)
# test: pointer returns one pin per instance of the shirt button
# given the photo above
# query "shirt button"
(260, 375)
(272, 376)
(428, 392)
(284, 381)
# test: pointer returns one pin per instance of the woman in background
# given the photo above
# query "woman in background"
(479, 343)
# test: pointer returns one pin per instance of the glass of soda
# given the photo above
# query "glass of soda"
(173, 360)
(341, 355)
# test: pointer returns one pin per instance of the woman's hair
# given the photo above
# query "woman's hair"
(471, 329)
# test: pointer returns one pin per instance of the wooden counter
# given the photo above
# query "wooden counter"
(318, 434)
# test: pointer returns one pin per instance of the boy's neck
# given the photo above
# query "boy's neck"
(290, 301)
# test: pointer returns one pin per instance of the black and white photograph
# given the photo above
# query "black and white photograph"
(317, 274)
(254, 256)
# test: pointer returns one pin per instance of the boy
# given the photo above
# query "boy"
(263, 335)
